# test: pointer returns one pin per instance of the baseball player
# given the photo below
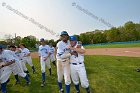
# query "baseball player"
(52, 55)
(18, 61)
(77, 65)
(27, 56)
(44, 54)
(63, 59)
(8, 67)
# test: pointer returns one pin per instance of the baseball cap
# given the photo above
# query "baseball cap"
(64, 33)
(73, 38)
(42, 39)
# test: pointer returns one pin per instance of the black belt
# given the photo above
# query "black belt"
(75, 63)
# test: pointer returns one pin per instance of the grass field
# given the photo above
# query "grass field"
(113, 46)
(106, 74)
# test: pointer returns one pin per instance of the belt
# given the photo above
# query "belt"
(75, 63)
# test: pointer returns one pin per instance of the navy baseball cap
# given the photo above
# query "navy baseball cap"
(64, 33)
(42, 39)
(73, 38)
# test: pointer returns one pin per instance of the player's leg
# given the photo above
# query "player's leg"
(83, 78)
(53, 60)
(23, 62)
(43, 69)
(29, 61)
(22, 73)
(49, 66)
(60, 75)
(66, 67)
(5, 74)
(17, 69)
(75, 77)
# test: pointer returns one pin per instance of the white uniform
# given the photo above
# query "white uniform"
(52, 56)
(43, 53)
(63, 66)
(78, 70)
(26, 59)
(7, 56)
(19, 63)
(20, 57)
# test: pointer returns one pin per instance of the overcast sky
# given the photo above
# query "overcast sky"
(59, 15)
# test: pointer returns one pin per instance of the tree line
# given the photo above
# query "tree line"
(128, 32)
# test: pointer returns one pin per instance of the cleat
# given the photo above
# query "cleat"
(16, 83)
(61, 91)
(138, 70)
(27, 83)
(43, 84)
(77, 91)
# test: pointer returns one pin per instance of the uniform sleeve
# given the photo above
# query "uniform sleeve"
(9, 56)
(27, 51)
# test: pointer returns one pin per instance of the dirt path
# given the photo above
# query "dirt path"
(130, 52)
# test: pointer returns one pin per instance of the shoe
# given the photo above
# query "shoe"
(77, 91)
(43, 84)
(16, 83)
(61, 91)
(27, 83)
(138, 70)
(34, 72)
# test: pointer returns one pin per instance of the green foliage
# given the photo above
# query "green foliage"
(129, 32)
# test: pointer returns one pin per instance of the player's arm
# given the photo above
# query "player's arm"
(48, 54)
(79, 50)
(7, 63)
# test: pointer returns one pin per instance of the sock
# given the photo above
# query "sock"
(60, 85)
(43, 76)
(54, 63)
(50, 71)
(88, 90)
(33, 68)
(67, 88)
(27, 72)
(3, 87)
(77, 87)
(27, 78)
(17, 79)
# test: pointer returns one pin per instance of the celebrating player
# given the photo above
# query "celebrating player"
(27, 56)
(18, 62)
(63, 66)
(77, 65)
(44, 54)
(9, 66)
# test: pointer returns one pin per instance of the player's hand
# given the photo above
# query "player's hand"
(74, 53)
(69, 47)
(45, 59)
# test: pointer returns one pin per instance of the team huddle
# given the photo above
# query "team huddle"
(69, 62)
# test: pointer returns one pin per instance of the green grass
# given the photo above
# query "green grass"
(113, 46)
(106, 74)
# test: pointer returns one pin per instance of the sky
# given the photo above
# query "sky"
(60, 15)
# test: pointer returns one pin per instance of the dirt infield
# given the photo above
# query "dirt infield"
(131, 52)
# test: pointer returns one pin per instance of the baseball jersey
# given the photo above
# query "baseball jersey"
(7, 56)
(62, 48)
(24, 52)
(44, 50)
(52, 50)
(80, 57)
